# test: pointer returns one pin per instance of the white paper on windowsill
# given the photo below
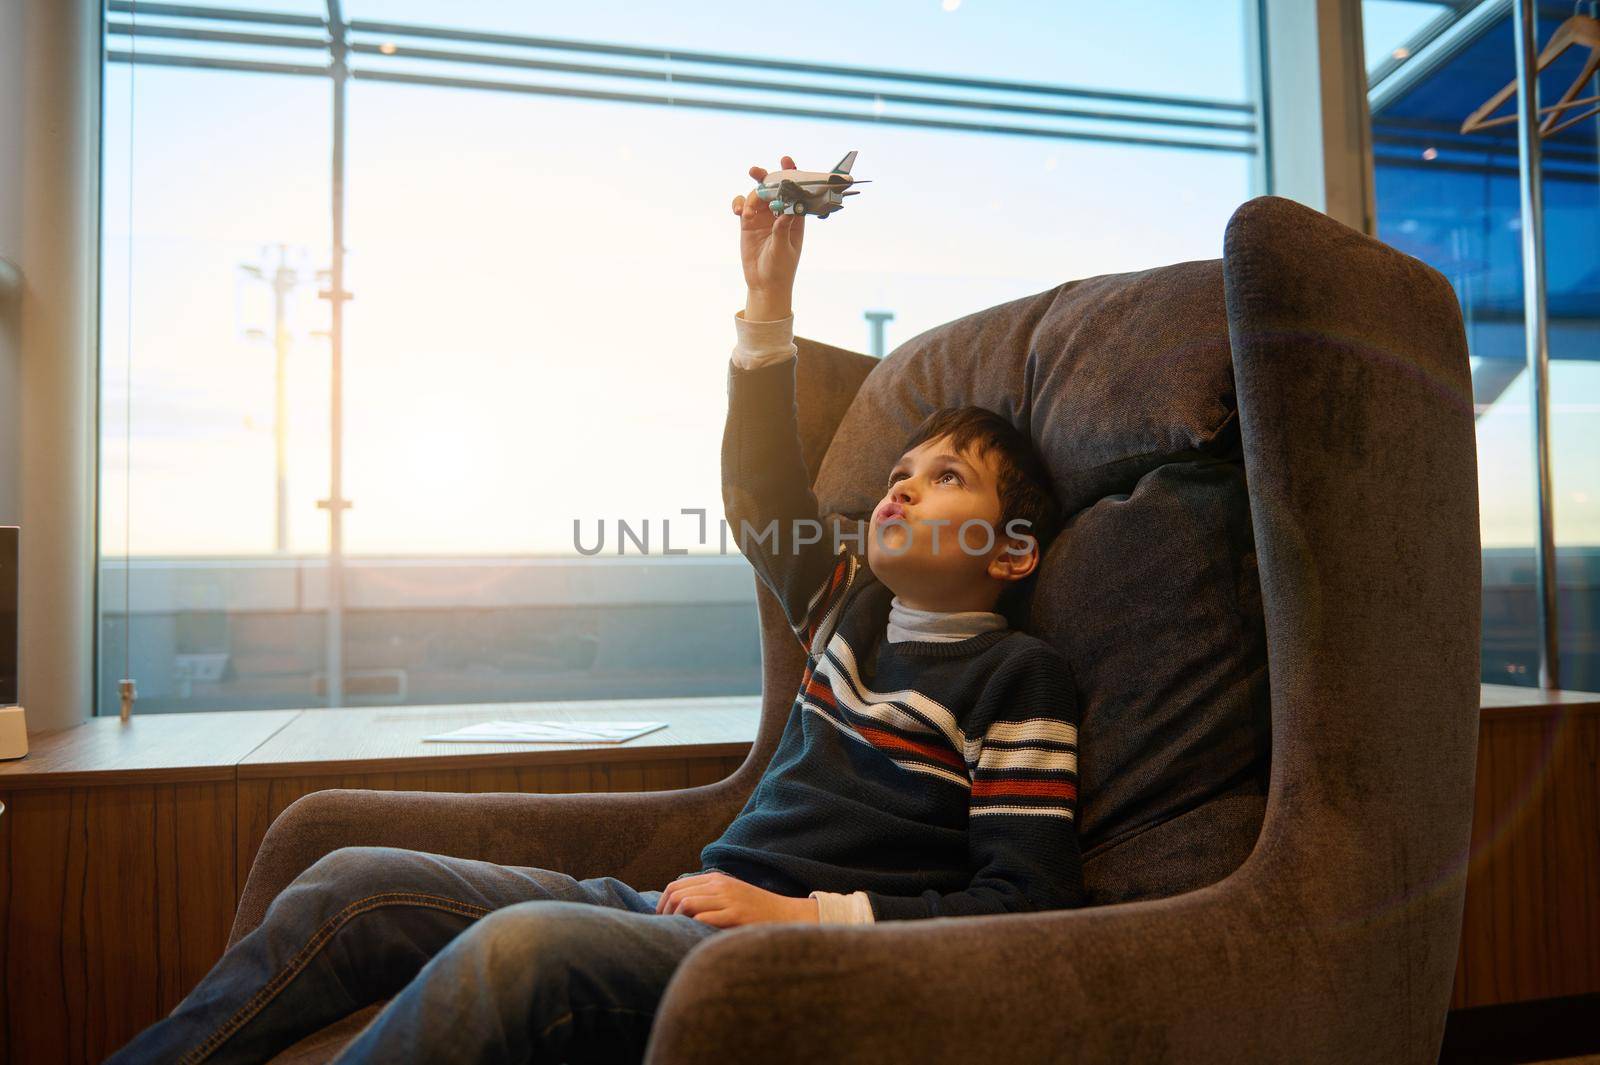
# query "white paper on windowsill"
(548, 732)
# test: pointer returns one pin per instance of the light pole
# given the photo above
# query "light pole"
(283, 280)
(877, 320)
(336, 504)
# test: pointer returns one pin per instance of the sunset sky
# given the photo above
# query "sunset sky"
(544, 288)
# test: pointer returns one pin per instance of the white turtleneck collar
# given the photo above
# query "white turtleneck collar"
(908, 623)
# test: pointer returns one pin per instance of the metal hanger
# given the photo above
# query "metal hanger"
(1576, 31)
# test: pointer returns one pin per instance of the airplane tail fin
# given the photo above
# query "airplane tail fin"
(845, 164)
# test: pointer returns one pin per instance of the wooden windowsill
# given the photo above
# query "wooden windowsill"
(255, 744)
(1507, 702)
(227, 745)
(387, 739)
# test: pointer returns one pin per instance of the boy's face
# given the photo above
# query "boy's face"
(915, 543)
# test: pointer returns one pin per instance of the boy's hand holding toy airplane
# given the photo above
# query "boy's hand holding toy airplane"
(772, 229)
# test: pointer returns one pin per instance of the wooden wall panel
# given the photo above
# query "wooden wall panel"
(1574, 847)
(118, 900)
(33, 862)
(1531, 928)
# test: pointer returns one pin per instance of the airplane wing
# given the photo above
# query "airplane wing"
(833, 181)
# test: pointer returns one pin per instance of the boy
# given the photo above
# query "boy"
(932, 768)
(914, 711)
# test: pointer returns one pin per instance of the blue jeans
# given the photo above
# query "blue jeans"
(484, 962)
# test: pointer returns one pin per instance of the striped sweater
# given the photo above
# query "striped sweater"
(940, 779)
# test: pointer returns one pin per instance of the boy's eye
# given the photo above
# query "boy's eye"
(940, 479)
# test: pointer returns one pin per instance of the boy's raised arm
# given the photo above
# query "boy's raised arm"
(769, 505)
(766, 492)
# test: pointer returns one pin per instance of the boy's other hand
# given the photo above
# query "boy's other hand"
(727, 902)
(769, 246)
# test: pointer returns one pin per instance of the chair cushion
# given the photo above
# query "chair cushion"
(1111, 376)
(1153, 598)
(1124, 383)
(1194, 849)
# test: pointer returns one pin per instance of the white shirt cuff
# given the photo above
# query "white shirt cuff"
(762, 343)
(854, 908)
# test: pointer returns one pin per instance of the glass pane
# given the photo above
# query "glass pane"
(1164, 47)
(1452, 199)
(1575, 436)
(543, 274)
(191, 197)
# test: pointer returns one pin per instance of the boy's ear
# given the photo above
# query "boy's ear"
(1009, 566)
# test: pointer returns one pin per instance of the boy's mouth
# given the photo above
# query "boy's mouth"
(890, 511)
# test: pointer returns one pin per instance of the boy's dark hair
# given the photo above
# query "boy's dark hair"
(1024, 487)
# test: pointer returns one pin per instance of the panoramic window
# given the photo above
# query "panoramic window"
(361, 474)
(1453, 200)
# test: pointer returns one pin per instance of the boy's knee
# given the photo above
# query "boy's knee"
(549, 929)
(375, 866)
(350, 874)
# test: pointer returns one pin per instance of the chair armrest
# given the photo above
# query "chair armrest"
(642, 838)
(1198, 977)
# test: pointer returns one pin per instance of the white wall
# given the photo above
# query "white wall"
(49, 227)
(11, 103)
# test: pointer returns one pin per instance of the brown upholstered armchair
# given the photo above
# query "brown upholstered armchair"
(1302, 909)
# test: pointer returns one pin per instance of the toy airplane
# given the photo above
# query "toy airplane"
(809, 191)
